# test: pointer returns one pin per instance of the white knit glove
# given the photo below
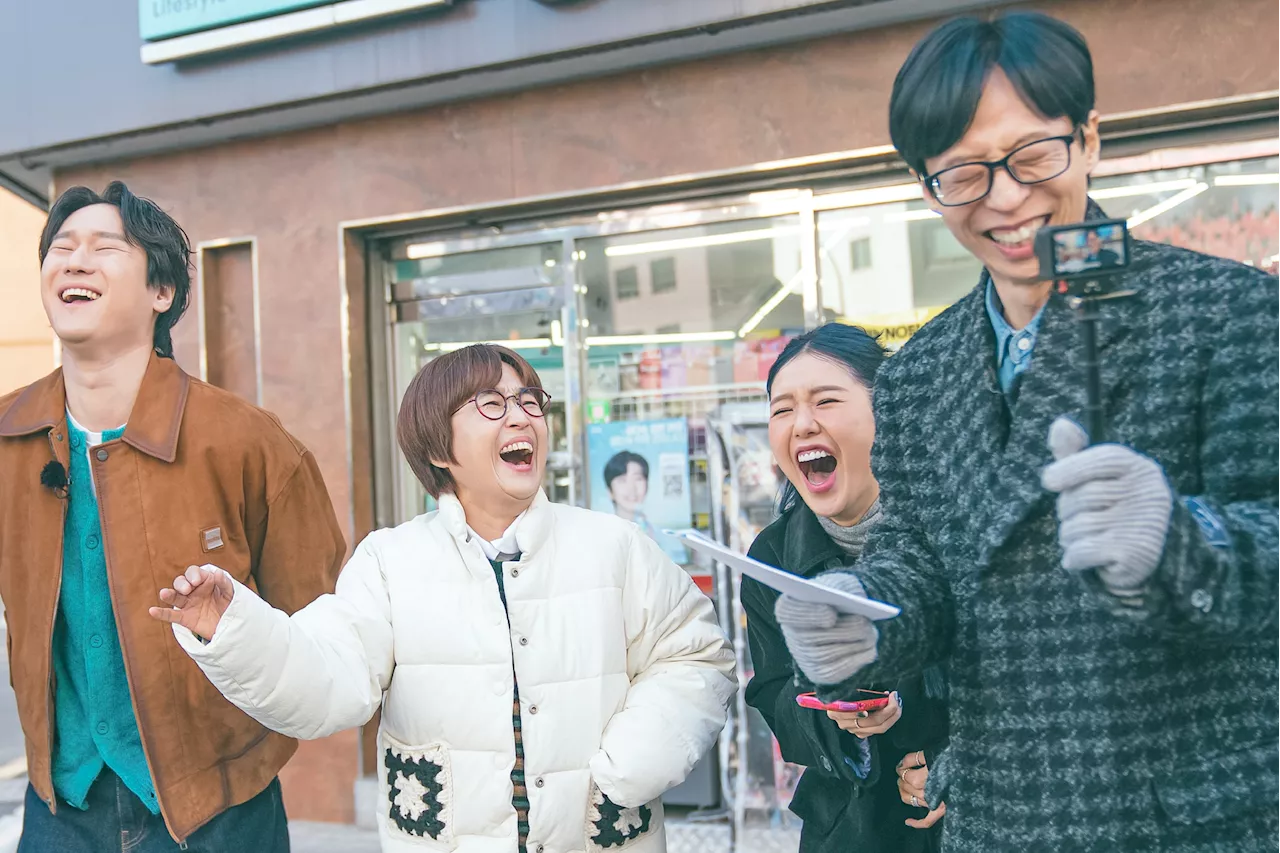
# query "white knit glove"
(827, 645)
(1114, 506)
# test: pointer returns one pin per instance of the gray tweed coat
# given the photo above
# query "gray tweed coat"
(1076, 725)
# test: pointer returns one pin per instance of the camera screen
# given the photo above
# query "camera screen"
(1099, 247)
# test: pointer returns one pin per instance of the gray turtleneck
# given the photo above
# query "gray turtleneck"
(851, 539)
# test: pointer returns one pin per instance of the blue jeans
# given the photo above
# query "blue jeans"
(116, 821)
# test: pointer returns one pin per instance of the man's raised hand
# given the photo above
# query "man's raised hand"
(197, 600)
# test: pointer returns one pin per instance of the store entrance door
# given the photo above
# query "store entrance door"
(516, 297)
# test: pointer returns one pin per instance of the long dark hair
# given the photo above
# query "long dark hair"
(848, 346)
(148, 227)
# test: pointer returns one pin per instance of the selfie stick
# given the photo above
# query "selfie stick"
(1088, 315)
(1084, 290)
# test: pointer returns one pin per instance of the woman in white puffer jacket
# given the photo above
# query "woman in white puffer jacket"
(545, 672)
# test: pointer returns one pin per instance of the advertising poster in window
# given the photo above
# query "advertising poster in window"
(640, 472)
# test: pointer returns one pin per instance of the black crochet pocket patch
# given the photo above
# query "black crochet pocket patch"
(611, 827)
(416, 791)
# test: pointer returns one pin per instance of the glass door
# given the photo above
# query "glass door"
(513, 296)
(683, 325)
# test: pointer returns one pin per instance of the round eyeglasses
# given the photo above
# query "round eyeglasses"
(1033, 163)
(493, 403)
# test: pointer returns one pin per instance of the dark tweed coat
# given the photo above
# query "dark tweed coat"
(1076, 726)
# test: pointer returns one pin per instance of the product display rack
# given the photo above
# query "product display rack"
(755, 781)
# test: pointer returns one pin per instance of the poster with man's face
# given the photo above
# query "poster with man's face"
(640, 471)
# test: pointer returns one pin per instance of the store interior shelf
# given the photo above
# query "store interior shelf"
(694, 391)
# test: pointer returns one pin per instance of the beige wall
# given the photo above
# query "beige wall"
(26, 341)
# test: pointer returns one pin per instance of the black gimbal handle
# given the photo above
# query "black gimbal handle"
(1095, 422)
(1087, 313)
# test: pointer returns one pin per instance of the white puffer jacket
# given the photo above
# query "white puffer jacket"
(624, 678)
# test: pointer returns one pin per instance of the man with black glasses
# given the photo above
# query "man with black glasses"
(1107, 614)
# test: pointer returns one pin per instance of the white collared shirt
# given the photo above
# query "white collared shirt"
(504, 544)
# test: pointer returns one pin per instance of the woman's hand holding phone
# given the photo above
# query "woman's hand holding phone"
(863, 724)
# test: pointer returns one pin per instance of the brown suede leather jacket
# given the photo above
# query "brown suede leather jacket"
(199, 476)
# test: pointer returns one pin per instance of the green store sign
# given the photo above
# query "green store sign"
(161, 19)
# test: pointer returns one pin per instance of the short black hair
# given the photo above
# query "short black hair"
(937, 89)
(849, 346)
(147, 226)
(617, 466)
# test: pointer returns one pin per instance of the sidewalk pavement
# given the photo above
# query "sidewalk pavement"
(315, 837)
(682, 837)
(311, 837)
(305, 837)
(308, 837)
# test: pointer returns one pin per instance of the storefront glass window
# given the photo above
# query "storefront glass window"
(512, 296)
(683, 325)
(726, 279)
(1225, 209)
(680, 325)
(890, 267)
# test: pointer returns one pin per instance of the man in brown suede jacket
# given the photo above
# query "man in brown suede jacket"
(118, 470)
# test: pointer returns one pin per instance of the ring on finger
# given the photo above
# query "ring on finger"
(856, 724)
(915, 801)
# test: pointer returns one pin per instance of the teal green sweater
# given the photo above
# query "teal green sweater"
(94, 725)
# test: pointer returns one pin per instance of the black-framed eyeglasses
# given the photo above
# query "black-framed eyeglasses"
(493, 403)
(1034, 163)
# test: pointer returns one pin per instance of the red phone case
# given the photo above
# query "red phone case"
(809, 700)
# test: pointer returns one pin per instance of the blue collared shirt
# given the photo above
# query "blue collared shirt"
(1013, 346)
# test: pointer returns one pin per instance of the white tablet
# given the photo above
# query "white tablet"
(785, 582)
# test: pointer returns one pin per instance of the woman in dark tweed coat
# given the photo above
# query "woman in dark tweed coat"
(1108, 613)
(820, 412)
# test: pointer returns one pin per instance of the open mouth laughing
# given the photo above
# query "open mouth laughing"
(1017, 242)
(76, 295)
(518, 453)
(818, 467)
